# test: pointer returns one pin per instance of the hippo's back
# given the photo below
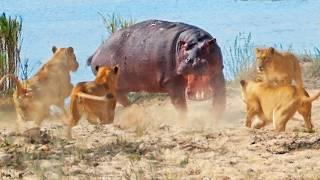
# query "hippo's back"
(144, 51)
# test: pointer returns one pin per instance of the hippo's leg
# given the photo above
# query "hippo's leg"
(122, 98)
(219, 94)
(176, 91)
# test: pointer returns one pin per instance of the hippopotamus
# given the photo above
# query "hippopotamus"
(158, 56)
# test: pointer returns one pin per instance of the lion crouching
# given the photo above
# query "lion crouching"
(95, 99)
(49, 86)
(275, 104)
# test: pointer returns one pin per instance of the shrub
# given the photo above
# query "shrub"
(10, 38)
(115, 22)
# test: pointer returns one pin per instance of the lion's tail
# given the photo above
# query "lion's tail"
(312, 98)
(20, 88)
(92, 97)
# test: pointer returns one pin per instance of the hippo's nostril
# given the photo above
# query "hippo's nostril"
(189, 60)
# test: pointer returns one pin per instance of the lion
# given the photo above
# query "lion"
(278, 68)
(95, 99)
(275, 104)
(49, 86)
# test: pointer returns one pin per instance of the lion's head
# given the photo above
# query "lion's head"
(108, 77)
(67, 56)
(263, 57)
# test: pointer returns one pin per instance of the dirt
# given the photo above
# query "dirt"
(151, 141)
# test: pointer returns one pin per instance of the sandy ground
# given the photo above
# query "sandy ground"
(150, 141)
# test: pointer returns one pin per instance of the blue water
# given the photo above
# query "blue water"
(77, 23)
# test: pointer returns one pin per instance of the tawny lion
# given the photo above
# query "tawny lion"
(280, 68)
(275, 104)
(95, 99)
(49, 86)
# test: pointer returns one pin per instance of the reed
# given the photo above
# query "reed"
(114, 22)
(239, 58)
(10, 45)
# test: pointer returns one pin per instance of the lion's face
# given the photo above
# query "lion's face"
(67, 54)
(263, 57)
(108, 77)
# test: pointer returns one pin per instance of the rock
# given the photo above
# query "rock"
(5, 158)
(75, 170)
(44, 147)
(49, 164)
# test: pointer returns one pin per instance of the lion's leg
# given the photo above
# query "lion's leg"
(281, 118)
(74, 117)
(250, 114)
(93, 118)
(122, 98)
(262, 121)
(106, 117)
(305, 111)
(20, 122)
(41, 112)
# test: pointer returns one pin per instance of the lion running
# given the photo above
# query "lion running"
(49, 86)
(95, 99)
(275, 104)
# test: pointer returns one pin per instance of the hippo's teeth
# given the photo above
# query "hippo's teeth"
(202, 94)
(197, 95)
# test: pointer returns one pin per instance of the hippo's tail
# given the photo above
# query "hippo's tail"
(89, 60)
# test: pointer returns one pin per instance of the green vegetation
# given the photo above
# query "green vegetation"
(115, 22)
(10, 39)
(239, 58)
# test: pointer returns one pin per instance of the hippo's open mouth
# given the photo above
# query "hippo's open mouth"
(198, 88)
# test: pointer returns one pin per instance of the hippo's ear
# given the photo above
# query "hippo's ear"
(208, 42)
(54, 49)
(243, 83)
(211, 41)
(115, 69)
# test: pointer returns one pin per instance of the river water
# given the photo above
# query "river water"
(76, 23)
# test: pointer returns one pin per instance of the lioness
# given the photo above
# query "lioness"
(276, 67)
(49, 86)
(96, 99)
(275, 104)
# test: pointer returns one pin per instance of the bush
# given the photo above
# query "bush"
(10, 38)
(115, 22)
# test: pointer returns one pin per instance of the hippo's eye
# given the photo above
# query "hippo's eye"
(191, 45)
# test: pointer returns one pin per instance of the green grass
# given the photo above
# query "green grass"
(239, 57)
(10, 45)
(114, 22)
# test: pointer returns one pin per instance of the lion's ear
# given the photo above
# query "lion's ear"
(271, 50)
(115, 69)
(243, 83)
(54, 49)
(257, 50)
(70, 50)
(97, 68)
